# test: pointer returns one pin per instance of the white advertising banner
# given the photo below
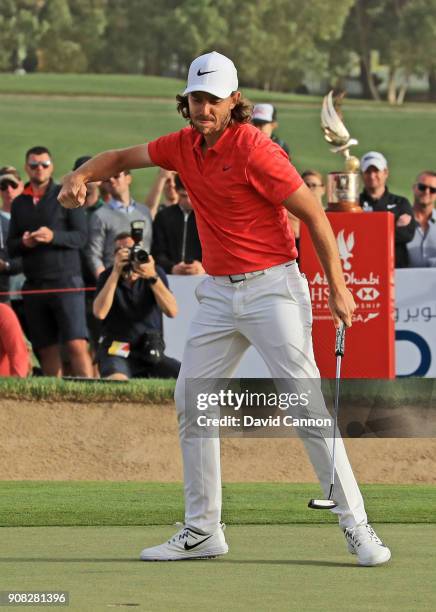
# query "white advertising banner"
(415, 325)
(415, 322)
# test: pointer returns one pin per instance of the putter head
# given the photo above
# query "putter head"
(322, 504)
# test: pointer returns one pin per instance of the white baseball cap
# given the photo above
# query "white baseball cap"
(265, 113)
(373, 158)
(213, 73)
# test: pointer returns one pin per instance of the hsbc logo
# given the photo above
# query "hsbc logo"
(367, 294)
(345, 248)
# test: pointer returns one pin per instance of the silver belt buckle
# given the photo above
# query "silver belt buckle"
(237, 278)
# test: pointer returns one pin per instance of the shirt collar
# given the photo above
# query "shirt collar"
(28, 190)
(222, 141)
(117, 205)
(371, 200)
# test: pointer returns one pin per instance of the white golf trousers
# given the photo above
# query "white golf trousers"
(273, 313)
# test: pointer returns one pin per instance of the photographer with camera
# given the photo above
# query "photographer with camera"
(130, 298)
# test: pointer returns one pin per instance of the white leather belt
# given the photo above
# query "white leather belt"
(238, 278)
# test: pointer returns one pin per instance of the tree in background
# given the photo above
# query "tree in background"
(274, 43)
(408, 54)
(57, 49)
(403, 32)
(158, 38)
(50, 35)
(20, 30)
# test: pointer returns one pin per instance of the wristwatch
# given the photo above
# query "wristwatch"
(152, 280)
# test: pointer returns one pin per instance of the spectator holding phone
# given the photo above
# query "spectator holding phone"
(176, 245)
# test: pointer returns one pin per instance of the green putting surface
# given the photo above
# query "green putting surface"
(269, 567)
(33, 503)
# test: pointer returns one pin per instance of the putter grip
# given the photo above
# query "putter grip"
(340, 341)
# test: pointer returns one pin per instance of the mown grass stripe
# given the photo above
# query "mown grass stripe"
(393, 392)
(33, 503)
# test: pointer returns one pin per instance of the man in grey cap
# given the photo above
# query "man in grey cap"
(11, 186)
(265, 119)
(377, 197)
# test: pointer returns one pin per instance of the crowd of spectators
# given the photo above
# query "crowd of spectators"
(89, 307)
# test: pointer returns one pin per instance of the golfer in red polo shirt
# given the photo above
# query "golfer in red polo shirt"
(241, 185)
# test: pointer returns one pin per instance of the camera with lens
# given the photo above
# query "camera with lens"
(138, 255)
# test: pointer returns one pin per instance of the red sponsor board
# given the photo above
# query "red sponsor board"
(366, 248)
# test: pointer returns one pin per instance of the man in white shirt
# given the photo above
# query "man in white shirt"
(422, 249)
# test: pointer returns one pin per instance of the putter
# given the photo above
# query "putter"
(329, 503)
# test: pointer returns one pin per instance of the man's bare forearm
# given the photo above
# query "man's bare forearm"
(325, 245)
(109, 163)
(100, 167)
(104, 300)
(153, 197)
(303, 205)
(165, 299)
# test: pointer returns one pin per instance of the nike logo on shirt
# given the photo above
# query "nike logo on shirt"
(390, 205)
(189, 547)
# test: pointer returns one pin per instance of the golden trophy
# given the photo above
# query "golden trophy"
(342, 187)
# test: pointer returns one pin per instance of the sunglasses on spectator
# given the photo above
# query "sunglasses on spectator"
(43, 164)
(424, 187)
(5, 184)
(313, 185)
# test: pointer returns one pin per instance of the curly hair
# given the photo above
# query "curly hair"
(241, 113)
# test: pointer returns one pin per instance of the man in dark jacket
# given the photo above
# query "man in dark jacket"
(376, 197)
(48, 238)
(176, 245)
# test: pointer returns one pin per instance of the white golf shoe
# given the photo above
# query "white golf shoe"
(363, 541)
(188, 544)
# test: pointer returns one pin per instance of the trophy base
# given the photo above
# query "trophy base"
(344, 206)
(343, 192)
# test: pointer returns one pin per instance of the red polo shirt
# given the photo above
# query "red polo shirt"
(237, 188)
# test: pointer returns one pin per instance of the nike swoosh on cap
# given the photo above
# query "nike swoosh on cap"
(187, 547)
(199, 73)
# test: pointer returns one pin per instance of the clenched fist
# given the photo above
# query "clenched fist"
(73, 192)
